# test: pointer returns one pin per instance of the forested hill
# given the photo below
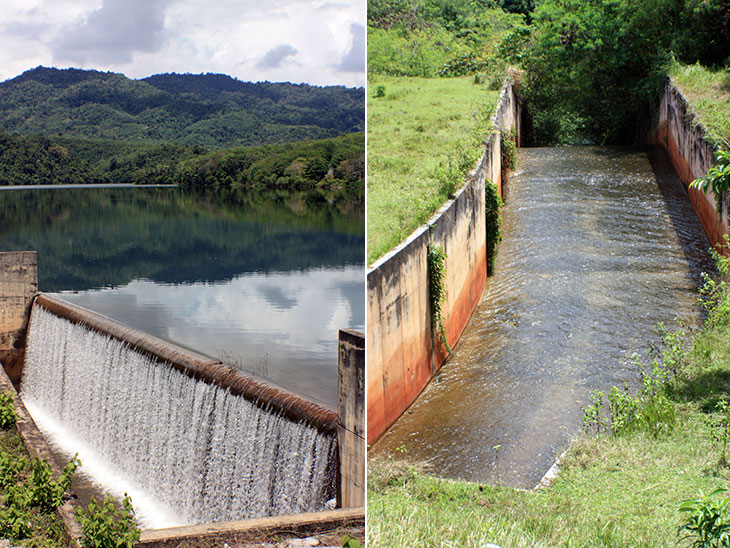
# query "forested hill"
(210, 110)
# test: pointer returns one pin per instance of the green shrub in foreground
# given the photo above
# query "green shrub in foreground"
(106, 526)
(708, 522)
(8, 416)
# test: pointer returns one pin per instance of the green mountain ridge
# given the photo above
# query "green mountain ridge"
(211, 110)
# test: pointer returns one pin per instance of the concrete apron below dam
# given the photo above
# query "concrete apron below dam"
(599, 245)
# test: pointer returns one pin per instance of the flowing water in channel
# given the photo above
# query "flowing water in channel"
(600, 244)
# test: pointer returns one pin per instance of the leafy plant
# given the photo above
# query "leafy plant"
(350, 542)
(436, 257)
(8, 416)
(717, 178)
(379, 91)
(15, 522)
(650, 409)
(714, 293)
(43, 490)
(11, 467)
(508, 150)
(708, 523)
(106, 526)
(593, 419)
(493, 218)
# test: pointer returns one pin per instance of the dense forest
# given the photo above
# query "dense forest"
(335, 164)
(210, 110)
(590, 70)
(79, 126)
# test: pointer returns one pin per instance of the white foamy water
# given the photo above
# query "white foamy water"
(186, 451)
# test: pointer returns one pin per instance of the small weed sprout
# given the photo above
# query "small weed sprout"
(105, 526)
(350, 542)
(708, 523)
(8, 416)
(593, 419)
(713, 293)
(721, 430)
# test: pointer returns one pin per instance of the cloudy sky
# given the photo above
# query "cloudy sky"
(320, 42)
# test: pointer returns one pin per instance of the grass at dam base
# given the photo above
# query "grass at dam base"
(617, 490)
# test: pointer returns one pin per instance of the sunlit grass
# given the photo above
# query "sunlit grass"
(418, 124)
(709, 93)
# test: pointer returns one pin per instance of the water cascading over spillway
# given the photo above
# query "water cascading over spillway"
(203, 452)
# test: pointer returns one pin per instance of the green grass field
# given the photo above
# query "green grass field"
(709, 93)
(415, 130)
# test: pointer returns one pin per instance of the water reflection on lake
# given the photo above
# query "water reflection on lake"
(262, 282)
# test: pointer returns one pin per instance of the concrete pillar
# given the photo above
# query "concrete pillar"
(351, 419)
(18, 286)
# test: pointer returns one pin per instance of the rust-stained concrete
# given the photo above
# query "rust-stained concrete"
(18, 286)
(681, 134)
(402, 352)
(351, 419)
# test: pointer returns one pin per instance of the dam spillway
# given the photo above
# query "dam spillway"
(197, 450)
(599, 245)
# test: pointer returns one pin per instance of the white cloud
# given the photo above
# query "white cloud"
(276, 57)
(113, 33)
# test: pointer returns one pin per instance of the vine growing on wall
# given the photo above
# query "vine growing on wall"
(509, 150)
(717, 178)
(492, 209)
(437, 290)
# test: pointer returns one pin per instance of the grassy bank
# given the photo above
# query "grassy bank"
(709, 93)
(619, 489)
(424, 136)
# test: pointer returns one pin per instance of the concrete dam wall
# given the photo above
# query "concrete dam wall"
(202, 442)
(206, 442)
(402, 355)
(684, 138)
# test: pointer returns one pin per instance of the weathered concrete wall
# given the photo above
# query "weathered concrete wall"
(402, 356)
(351, 419)
(680, 132)
(18, 286)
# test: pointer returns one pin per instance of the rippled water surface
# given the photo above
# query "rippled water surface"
(600, 244)
(263, 282)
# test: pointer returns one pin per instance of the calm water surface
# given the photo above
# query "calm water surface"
(600, 244)
(261, 282)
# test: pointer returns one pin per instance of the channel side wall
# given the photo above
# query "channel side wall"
(683, 136)
(402, 354)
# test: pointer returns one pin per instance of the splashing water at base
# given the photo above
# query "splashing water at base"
(186, 451)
